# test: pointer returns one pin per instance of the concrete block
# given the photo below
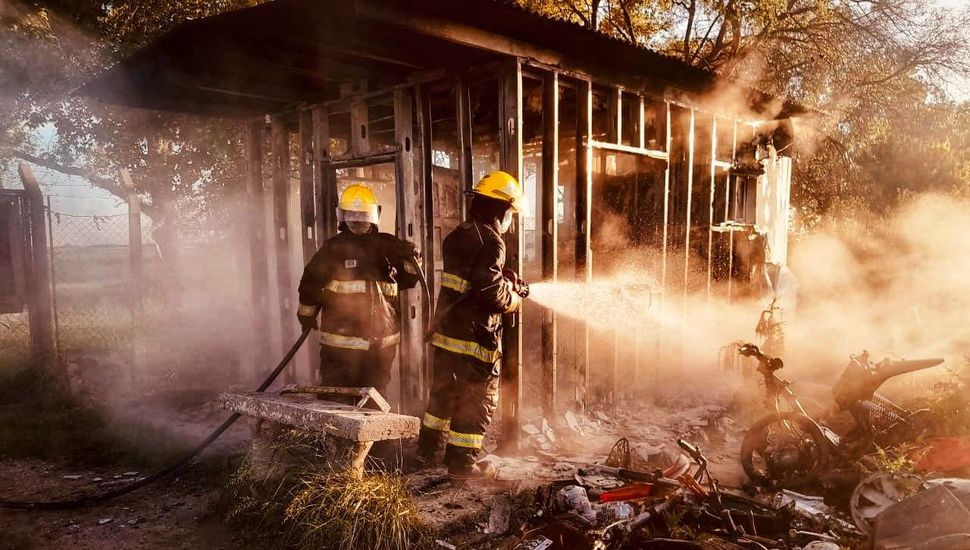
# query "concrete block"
(316, 415)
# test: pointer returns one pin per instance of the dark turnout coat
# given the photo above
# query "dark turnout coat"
(474, 294)
(355, 281)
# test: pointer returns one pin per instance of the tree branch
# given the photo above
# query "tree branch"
(688, 32)
(94, 179)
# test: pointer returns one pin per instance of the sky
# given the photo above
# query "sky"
(959, 89)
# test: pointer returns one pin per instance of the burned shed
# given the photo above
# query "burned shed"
(421, 98)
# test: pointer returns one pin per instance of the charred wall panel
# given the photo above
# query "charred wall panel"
(700, 204)
(679, 201)
(12, 254)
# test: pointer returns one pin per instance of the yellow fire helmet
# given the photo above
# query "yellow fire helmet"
(358, 204)
(502, 186)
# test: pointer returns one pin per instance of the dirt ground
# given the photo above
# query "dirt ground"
(185, 511)
(179, 513)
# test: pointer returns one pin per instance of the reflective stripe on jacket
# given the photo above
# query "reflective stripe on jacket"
(353, 342)
(465, 347)
(354, 281)
(474, 294)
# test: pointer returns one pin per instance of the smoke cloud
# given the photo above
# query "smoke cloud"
(898, 290)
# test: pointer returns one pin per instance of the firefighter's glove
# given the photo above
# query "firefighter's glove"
(519, 286)
(308, 322)
(410, 256)
(510, 274)
(407, 251)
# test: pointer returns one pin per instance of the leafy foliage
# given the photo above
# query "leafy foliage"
(49, 49)
(874, 69)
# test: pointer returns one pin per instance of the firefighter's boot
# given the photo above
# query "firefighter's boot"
(479, 470)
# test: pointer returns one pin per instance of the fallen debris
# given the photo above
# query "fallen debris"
(573, 498)
(814, 508)
(944, 512)
(538, 543)
(499, 516)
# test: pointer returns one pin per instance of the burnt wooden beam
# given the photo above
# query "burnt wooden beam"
(281, 176)
(616, 115)
(414, 384)
(259, 270)
(465, 133)
(584, 192)
(605, 145)
(710, 206)
(666, 221)
(642, 122)
(324, 192)
(308, 208)
(423, 162)
(731, 189)
(690, 193)
(309, 213)
(550, 232)
(359, 138)
(511, 162)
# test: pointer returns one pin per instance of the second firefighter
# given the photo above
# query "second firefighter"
(476, 290)
(354, 281)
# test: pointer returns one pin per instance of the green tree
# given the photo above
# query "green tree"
(48, 49)
(871, 67)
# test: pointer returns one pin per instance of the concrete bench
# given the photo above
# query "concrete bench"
(349, 430)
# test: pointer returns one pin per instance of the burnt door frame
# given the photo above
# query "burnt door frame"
(407, 357)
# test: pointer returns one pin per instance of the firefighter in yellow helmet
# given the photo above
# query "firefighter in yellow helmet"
(476, 289)
(354, 281)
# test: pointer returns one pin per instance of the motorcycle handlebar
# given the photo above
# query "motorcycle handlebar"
(690, 449)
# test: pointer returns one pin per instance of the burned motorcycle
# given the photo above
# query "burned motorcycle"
(789, 448)
(689, 498)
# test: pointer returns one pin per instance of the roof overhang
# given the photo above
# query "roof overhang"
(278, 55)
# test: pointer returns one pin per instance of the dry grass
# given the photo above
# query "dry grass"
(340, 510)
(951, 401)
(305, 502)
(892, 461)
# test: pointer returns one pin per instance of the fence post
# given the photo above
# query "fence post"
(38, 280)
(135, 284)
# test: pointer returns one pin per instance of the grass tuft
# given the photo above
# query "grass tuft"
(341, 510)
(299, 496)
(40, 418)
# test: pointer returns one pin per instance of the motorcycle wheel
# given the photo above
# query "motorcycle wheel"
(876, 493)
(783, 450)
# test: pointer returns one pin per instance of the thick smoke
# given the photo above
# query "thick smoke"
(899, 290)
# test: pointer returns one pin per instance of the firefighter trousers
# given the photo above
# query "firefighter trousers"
(357, 368)
(351, 368)
(464, 396)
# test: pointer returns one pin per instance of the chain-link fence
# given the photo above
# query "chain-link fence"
(91, 276)
(176, 321)
(175, 315)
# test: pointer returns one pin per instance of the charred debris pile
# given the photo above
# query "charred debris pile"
(852, 477)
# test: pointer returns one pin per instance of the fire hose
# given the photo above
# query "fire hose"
(178, 464)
